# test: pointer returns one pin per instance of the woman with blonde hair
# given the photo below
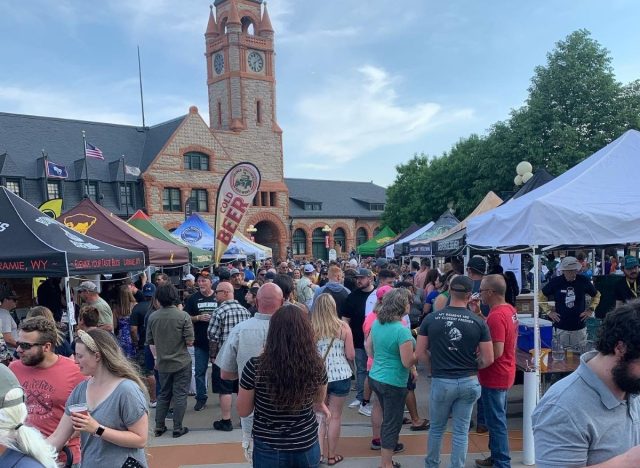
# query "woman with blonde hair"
(334, 342)
(110, 409)
(20, 445)
(122, 320)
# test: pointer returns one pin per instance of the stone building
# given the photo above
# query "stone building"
(182, 161)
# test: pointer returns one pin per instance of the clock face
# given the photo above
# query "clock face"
(218, 63)
(256, 62)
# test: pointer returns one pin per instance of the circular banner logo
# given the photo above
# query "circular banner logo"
(191, 235)
(244, 180)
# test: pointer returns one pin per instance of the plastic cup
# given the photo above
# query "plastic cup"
(79, 408)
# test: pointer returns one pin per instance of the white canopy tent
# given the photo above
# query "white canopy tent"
(593, 203)
(390, 249)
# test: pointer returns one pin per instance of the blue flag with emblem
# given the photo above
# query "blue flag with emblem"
(55, 171)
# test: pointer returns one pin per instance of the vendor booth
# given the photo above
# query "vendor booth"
(592, 204)
(89, 218)
(370, 247)
(396, 248)
(37, 245)
(197, 257)
(420, 245)
(387, 247)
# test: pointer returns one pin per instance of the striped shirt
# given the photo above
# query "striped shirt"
(289, 430)
(226, 316)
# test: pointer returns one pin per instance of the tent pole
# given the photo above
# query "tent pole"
(71, 313)
(532, 379)
(467, 257)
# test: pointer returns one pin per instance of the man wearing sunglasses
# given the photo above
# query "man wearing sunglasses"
(47, 379)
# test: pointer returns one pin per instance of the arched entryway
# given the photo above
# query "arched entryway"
(361, 236)
(267, 234)
(318, 245)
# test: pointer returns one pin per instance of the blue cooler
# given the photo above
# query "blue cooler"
(525, 333)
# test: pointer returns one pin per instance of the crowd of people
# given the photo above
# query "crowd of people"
(292, 342)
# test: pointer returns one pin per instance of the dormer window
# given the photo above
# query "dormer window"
(376, 206)
(313, 206)
(196, 161)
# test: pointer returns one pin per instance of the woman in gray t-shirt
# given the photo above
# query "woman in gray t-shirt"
(110, 409)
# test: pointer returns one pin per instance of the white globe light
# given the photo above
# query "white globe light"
(526, 176)
(518, 180)
(523, 167)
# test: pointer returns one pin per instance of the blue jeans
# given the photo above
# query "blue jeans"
(266, 457)
(361, 372)
(453, 397)
(494, 402)
(202, 364)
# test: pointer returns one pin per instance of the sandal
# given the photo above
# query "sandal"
(159, 431)
(334, 460)
(406, 420)
(395, 464)
(421, 427)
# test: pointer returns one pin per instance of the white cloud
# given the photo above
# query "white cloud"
(113, 103)
(362, 113)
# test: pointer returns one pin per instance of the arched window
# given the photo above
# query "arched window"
(195, 161)
(340, 238)
(299, 242)
(247, 26)
(361, 236)
(318, 249)
(376, 231)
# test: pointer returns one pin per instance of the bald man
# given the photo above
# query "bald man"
(245, 341)
(228, 314)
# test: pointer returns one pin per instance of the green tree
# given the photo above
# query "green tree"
(575, 107)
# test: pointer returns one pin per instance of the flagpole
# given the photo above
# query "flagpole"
(140, 79)
(46, 175)
(86, 166)
(124, 180)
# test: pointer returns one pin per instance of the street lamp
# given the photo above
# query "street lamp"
(326, 229)
(252, 231)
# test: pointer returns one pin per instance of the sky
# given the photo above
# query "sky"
(362, 86)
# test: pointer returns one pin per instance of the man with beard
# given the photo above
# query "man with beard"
(46, 378)
(591, 417)
(627, 289)
(200, 306)
(240, 288)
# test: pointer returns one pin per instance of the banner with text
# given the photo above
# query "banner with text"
(237, 189)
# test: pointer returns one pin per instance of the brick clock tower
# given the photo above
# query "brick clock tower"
(242, 109)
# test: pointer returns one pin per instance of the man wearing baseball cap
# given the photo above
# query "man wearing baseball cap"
(240, 289)
(456, 343)
(88, 291)
(627, 289)
(305, 286)
(569, 317)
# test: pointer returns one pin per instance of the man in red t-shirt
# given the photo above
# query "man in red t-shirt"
(46, 378)
(498, 378)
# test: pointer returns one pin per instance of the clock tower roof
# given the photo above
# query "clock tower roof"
(212, 26)
(265, 24)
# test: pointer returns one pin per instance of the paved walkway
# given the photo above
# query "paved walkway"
(204, 447)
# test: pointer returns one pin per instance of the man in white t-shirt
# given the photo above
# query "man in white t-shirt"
(385, 278)
(8, 326)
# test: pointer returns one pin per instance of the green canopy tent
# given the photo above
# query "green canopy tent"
(372, 245)
(197, 257)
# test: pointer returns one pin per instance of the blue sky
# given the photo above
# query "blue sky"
(362, 85)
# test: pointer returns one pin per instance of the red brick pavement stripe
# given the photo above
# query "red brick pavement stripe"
(202, 454)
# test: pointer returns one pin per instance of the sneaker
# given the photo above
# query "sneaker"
(200, 405)
(484, 463)
(153, 404)
(365, 410)
(375, 445)
(355, 403)
(223, 425)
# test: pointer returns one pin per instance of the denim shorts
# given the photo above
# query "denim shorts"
(339, 388)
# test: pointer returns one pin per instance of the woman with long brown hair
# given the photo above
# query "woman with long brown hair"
(109, 409)
(334, 341)
(283, 387)
(122, 320)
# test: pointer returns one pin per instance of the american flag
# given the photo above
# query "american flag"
(92, 151)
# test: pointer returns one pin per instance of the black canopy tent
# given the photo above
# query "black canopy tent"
(36, 245)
